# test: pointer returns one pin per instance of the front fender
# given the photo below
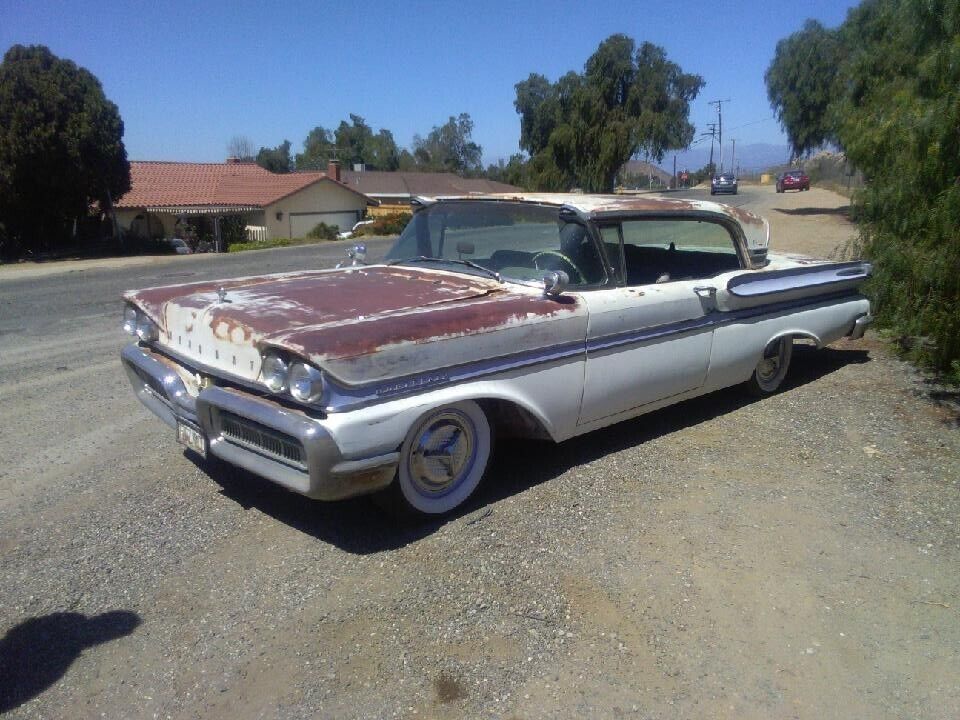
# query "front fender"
(551, 395)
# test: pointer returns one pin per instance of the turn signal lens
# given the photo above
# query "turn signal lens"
(306, 383)
(273, 373)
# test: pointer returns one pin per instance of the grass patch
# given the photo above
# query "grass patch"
(273, 243)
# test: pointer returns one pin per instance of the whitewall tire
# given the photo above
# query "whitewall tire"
(772, 368)
(443, 458)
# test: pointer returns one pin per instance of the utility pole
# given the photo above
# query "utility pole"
(733, 154)
(712, 132)
(719, 104)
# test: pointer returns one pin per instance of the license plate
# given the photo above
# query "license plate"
(192, 438)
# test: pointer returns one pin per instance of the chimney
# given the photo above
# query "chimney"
(333, 170)
(233, 160)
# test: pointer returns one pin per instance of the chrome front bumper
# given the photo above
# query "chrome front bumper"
(256, 433)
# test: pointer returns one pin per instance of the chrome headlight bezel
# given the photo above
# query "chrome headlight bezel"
(305, 383)
(136, 323)
(147, 330)
(130, 318)
(274, 372)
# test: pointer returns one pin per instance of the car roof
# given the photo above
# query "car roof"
(596, 207)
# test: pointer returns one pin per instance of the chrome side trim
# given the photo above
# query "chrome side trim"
(343, 398)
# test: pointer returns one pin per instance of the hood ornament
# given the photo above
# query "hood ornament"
(357, 255)
(222, 295)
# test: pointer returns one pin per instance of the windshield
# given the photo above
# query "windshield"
(516, 241)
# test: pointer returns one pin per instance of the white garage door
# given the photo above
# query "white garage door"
(302, 223)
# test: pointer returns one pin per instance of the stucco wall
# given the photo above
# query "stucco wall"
(325, 196)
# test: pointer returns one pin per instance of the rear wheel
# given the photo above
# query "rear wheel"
(772, 368)
(442, 460)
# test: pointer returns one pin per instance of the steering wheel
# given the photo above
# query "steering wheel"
(564, 259)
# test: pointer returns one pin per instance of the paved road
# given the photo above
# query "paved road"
(794, 557)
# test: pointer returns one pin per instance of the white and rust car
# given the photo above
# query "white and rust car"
(540, 315)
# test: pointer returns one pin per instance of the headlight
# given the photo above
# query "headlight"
(273, 372)
(130, 315)
(147, 330)
(306, 382)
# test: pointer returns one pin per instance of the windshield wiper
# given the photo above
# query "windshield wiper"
(469, 263)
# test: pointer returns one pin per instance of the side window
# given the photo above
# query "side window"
(657, 251)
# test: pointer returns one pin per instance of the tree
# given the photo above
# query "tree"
(241, 148)
(628, 102)
(381, 152)
(449, 148)
(801, 84)
(894, 109)
(351, 143)
(61, 147)
(512, 172)
(276, 160)
(318, 149)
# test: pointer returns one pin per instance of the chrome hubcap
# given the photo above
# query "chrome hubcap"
(769, 367)
(443, 453)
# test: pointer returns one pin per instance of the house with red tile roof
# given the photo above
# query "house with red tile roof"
(272, 205)
(395, 190)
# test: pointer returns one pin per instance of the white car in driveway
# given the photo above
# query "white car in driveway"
(543, 316)
(180, 246)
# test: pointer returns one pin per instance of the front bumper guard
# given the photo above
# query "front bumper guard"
(321, 472)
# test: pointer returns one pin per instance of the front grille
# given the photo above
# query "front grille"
(261, 439)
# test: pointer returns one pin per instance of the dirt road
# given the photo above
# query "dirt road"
(794, 557)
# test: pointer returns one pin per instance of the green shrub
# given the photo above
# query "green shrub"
(389, 224)
(322, 231)
(259, 245)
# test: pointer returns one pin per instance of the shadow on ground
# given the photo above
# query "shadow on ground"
(38, 652)
(358, 526)
(842, 211)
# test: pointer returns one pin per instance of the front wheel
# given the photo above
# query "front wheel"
(772, 368)
(443, 459)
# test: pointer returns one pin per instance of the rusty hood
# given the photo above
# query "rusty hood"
(354, 323)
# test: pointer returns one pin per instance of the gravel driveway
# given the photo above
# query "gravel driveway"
(794, 557)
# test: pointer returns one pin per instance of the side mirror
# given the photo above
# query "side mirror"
(555, 282)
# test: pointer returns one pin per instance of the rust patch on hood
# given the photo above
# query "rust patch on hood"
(260, 306)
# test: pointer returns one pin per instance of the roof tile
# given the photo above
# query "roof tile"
(173, 184)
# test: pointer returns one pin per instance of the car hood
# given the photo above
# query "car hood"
(340, 319)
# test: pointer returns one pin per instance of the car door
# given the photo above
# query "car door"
(649, 339)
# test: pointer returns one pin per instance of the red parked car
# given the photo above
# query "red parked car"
(792, 180)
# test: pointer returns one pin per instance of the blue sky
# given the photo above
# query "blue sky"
(189, 76)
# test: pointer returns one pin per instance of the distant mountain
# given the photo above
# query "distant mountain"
(749, 158)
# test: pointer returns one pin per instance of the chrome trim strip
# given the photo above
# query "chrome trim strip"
(342, 398)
